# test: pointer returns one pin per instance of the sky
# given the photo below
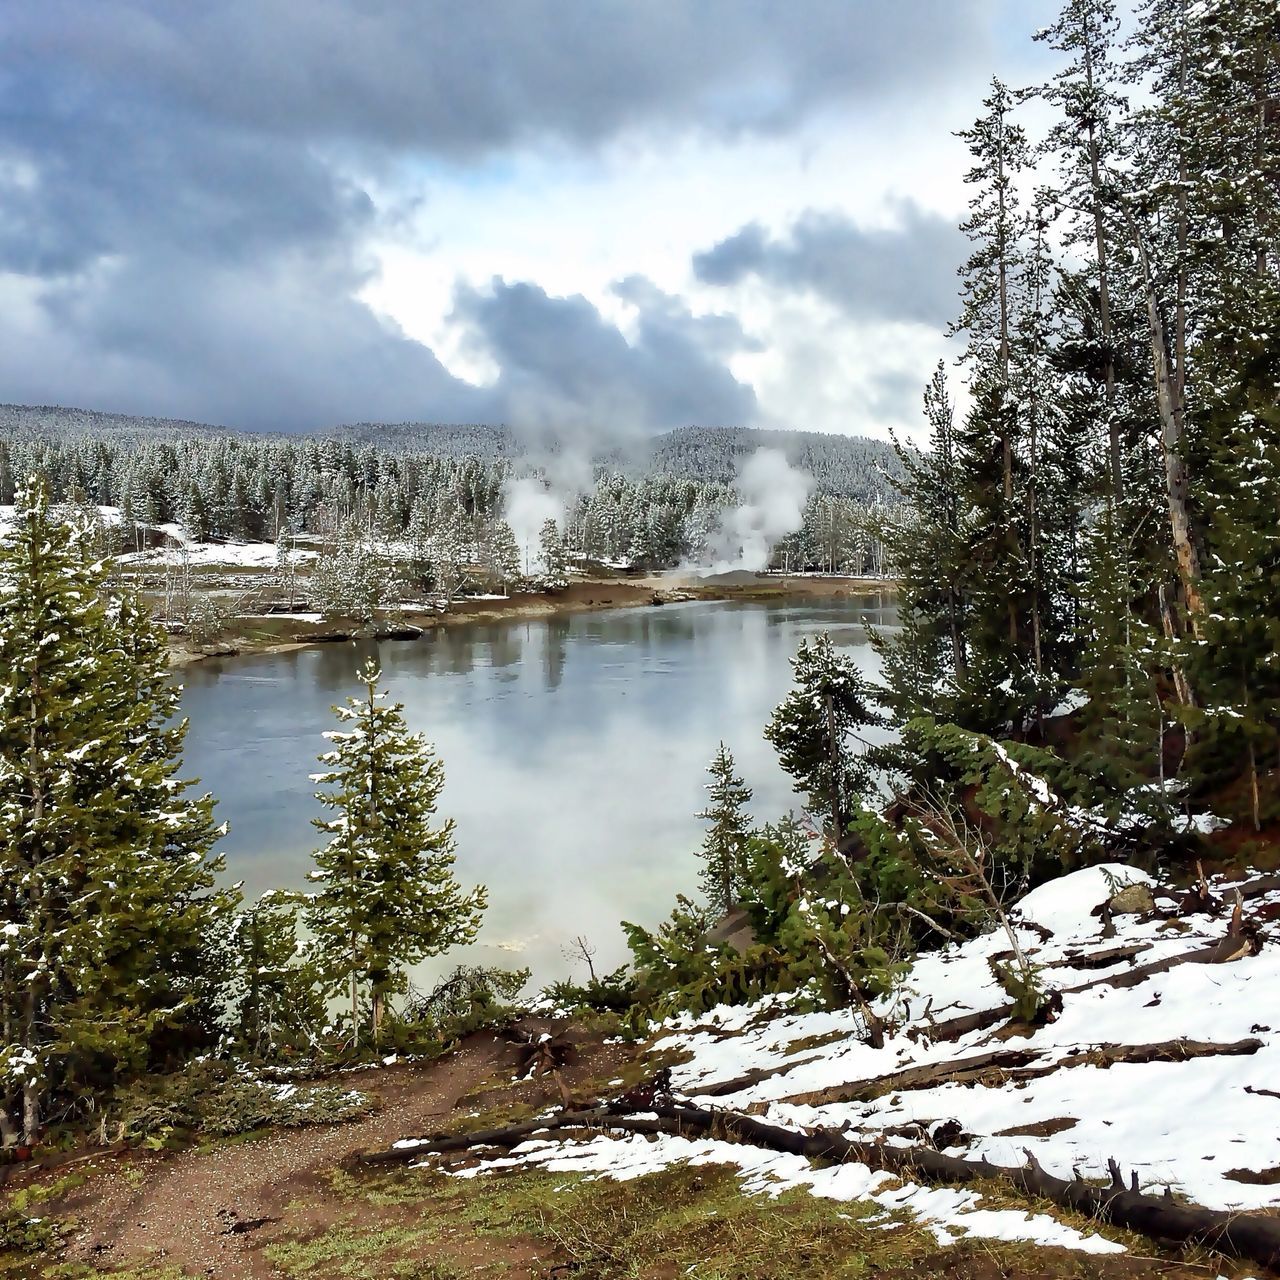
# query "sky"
(586, 216)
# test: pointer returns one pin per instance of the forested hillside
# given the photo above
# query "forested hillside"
(453, 486)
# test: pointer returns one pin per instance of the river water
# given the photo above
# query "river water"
(575, 750)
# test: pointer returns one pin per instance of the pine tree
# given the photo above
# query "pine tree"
(724, 845)
(278, 1005)
(926, 657)
(107, 904)
(991, 442)
(501, 554)
(1087, 143)
(387, 895)
(552, 554)
(810, 730)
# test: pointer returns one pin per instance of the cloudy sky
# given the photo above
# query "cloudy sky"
(594, 214)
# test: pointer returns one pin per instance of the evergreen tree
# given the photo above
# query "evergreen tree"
(991, 442)
(926, 658)
(278, 1006)
(387, 895)
(724, 845)
(551, 552)
(107, 904)
(501, 554)
(1087, 143)
(810, 730)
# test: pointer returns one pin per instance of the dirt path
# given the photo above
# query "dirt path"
(212, 1212)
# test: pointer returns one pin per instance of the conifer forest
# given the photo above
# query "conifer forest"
(961, 965)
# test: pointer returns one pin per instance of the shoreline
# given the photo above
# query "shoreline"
(589, 595)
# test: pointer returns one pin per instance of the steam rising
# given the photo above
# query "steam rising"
(772, 497)
(529, 503)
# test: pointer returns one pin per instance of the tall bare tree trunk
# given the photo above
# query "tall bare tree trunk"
(1104, 285)
(1170, 393)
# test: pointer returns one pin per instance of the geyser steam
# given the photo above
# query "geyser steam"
(772, 495)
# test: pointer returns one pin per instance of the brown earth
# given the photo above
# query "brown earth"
(214, 1211)
(290, 1203)
(268, 635)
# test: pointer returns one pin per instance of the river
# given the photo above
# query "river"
(575, 750)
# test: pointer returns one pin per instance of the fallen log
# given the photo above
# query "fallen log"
(1232, 947)
(1249, 1236)
(722, 1088)
(1016, 1064)
(1103, 959)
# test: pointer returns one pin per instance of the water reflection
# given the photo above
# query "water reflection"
(574, 751)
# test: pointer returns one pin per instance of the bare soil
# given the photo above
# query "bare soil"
(215, 1211)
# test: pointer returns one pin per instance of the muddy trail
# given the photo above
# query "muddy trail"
(215, 1211)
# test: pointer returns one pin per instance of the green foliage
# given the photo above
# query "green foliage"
(387, 897)
(277, 1008)
(24, 1233)
(1019, 797)
(724, 845)
(108, 912)
(613, 993)
(810, 730)
(817, 933)
(1023, 985)
(219, 1098)
(470, 998)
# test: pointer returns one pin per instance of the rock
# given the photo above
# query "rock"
(1132, 900)
(733, 928)
(222, 650)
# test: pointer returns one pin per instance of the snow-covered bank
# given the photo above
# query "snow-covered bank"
(1207, 1127)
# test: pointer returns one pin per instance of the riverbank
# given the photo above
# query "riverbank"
(282, 633)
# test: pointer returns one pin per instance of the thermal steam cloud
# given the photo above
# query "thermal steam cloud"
(772, 496)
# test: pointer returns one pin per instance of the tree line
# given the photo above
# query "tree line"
(1099, 523)
(121, 950)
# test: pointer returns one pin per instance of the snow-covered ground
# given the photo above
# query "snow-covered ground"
(180, 549)
(1187, 1125)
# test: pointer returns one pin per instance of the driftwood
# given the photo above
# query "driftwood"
(1249, 1236)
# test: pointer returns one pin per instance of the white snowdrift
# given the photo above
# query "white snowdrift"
(1184, 1125)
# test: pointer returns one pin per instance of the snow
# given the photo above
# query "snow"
(245, 555)
(1185, 1125)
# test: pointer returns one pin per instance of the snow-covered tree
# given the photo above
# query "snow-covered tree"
(351, 578)
(107, 904)
(811, 727)
(551, 553)
(386, 894)
(725, 843)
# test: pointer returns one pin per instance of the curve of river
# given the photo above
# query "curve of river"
(575, 750)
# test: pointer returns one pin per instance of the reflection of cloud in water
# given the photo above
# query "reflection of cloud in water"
(574, 754)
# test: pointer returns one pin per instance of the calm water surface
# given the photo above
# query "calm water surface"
(575, 751)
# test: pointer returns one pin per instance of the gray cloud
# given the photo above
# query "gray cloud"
(563, 365)
(455, 78)
(272, 346)
(904, 273)
(181, 228)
